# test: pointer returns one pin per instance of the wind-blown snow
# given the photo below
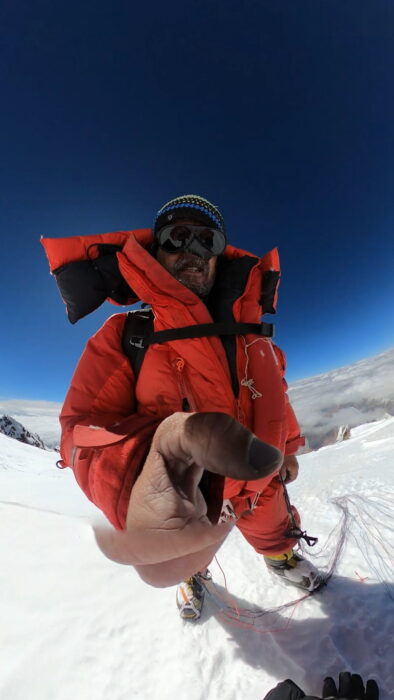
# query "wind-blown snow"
(75, 625)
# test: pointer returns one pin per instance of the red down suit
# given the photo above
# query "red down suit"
(104, 391)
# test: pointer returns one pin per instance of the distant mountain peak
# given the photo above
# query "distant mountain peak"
(330, 405)
(12, 428)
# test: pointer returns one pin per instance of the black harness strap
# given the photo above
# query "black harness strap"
(204, 330)
(138, 333)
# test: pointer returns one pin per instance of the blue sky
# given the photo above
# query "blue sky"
(281, 113)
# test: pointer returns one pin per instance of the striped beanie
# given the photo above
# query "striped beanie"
(189, 206)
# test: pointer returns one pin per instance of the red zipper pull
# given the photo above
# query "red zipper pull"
(180, 364)
(186, 395)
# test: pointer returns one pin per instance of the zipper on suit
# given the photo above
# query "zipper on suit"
(184, 388)
(238, 410)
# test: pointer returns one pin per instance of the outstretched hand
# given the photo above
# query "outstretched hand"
(169, 535)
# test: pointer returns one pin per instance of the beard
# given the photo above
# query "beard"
(194, 273)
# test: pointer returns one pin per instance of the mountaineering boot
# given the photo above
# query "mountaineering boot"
(190, 596)
(295, 569)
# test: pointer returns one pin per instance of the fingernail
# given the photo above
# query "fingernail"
(263, 458)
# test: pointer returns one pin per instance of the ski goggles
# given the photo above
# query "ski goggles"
(201, 240)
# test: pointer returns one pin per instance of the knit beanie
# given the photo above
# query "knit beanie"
(189, 206)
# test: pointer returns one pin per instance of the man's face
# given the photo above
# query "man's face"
(189, 269)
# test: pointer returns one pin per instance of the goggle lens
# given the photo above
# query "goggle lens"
(178, 237)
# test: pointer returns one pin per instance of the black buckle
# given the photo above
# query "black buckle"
(137, 341)
(267, 329)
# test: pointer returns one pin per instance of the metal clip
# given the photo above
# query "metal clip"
(298, 534)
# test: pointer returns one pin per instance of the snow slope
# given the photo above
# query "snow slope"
(75, 625)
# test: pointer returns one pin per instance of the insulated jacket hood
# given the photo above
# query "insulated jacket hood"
(90, 269)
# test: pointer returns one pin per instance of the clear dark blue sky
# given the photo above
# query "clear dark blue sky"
(281, 112)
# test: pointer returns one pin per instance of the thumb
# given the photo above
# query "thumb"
(218, 443)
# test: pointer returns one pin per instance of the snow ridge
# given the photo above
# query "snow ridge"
(12, 428)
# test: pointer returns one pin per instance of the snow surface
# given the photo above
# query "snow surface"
(76, 625)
